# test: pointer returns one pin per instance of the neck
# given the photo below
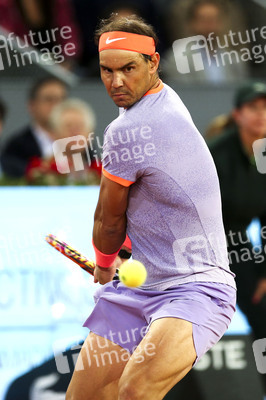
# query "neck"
(155, 83)
(45, 129)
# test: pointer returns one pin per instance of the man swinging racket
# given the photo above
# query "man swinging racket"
(159, 187)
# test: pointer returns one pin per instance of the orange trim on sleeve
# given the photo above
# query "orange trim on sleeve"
(155, 90)
(117, 179)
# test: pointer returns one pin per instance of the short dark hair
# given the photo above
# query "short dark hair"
(42, 82)
(131, 24)
(3, 111)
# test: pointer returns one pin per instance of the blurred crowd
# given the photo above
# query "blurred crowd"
(30, 156)
(187, 31)
(34, 21)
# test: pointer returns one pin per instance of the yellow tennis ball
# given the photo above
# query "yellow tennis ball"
(132, 273)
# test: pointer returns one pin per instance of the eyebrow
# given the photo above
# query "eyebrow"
(124, 66)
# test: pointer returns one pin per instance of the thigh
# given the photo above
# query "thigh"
(100, 363)
(109, 392)
(163, 358)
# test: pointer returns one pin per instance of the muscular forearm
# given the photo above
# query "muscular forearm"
(108, 238)
(110, 221)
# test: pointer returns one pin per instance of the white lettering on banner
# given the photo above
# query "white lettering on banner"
(228, 354)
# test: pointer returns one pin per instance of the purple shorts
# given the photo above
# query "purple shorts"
(124, 315)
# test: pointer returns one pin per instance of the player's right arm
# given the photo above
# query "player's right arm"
(110, 222)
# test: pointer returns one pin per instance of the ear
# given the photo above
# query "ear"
(154, 62)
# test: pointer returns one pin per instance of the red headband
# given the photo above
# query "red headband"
(127, 41)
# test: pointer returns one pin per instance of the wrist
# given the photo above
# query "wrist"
(104, 260)
(104, 269)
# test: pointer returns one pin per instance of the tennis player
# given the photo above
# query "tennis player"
(160, 188)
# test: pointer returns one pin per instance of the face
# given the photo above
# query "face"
(72, 122)
(48, 96)
(208, 18)
(126, 75)
(251, 117)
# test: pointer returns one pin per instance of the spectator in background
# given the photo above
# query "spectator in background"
(34, 140)
(256, 17)
(218, 125)
(71, 118)
(243, 199)
(41, 16)
(2, 119)
(188, 18)
(2, 115)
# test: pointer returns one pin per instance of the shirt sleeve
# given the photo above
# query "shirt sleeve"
(127, 150)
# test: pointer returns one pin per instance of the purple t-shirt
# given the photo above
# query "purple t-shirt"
(174, 217)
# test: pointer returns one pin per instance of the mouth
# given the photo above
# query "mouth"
(118, 95)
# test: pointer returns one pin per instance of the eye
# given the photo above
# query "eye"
(106, 70)
(129, 69)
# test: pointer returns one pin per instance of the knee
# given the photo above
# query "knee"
(127, 392)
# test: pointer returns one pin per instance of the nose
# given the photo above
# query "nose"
(117, 80)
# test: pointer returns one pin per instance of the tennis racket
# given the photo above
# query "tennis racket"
(68, 251)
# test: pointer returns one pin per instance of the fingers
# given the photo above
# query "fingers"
(103, 275)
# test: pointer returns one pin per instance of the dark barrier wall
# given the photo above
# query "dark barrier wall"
(227, 371)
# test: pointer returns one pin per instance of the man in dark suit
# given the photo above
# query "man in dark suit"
(2, 114)
(36, 139)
